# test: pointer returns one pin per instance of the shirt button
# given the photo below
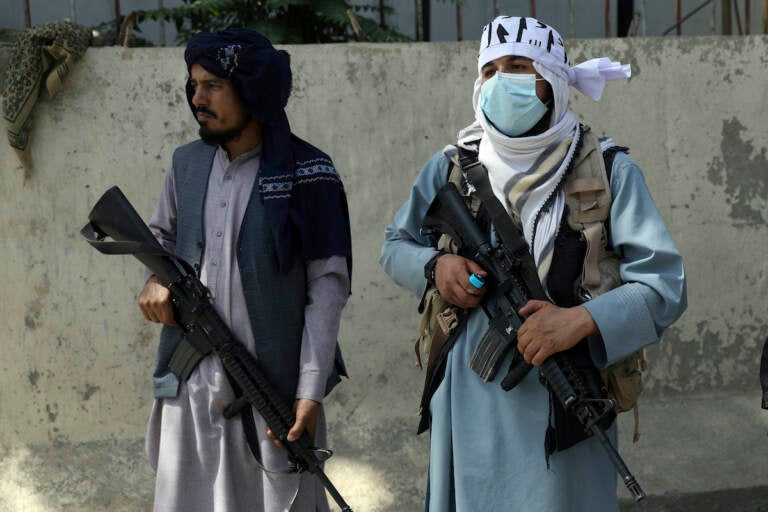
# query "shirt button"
(223, 204)
(227, 176)
(218, 233)
(213, 263)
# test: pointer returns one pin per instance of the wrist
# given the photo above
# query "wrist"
(431, 265)
(588, 326)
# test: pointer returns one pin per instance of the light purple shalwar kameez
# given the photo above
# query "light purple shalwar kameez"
(201, 459)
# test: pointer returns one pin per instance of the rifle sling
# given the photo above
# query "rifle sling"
(508, 231)
(249, 424)
(185, 359)
(487, 357)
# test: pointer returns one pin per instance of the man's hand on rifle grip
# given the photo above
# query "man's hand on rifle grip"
(549, 329)
(452, 280)
(306, 412)
(155, 302)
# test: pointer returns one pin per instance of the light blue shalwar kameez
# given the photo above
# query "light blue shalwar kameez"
(487, 445)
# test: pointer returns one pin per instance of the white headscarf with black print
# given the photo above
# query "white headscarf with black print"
(513, 161)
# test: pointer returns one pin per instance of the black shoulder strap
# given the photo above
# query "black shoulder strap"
(608, 156)
(467, 157)
(507, 230)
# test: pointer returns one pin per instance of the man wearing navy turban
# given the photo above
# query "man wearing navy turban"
(262, 216)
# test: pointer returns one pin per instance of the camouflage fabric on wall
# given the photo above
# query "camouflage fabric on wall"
(43, 54)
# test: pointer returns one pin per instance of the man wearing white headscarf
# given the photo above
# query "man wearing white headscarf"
(487, 446)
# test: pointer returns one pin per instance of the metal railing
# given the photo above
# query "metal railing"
(630, 18)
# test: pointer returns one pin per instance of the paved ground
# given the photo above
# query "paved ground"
(754, 499)
(113, 476)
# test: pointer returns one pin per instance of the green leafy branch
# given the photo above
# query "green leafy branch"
(282, 21)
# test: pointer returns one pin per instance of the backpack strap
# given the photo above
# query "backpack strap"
(461, 160)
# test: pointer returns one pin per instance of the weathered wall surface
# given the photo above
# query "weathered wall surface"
(77, 355)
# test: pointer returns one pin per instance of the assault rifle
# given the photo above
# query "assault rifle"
(507, 292)
(113, 216)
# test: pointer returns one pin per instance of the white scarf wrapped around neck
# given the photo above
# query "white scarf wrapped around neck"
(512, 160)
(508, 157)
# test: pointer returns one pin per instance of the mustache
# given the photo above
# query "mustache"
(206, 110)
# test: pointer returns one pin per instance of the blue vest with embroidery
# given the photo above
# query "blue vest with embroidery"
(275, 301)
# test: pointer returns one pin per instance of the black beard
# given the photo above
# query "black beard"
(221, 137)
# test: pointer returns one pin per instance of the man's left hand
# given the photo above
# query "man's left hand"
(550, 329)
(306, 412)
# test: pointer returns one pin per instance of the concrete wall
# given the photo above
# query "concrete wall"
(77, 356)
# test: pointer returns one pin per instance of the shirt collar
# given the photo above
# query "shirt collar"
(226, 164)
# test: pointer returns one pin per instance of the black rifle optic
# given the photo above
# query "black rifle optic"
(507, 292)
(113, 216)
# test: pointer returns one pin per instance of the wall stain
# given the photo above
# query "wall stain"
(53, 412)
(90, 389)
(44, 288)
(30, 320)
(34, 377)
(146, 335)
(352, 72)
(35, 307)
(741, 169)
(724, 355)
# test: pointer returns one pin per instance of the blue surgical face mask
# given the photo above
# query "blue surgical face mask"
(509, 101)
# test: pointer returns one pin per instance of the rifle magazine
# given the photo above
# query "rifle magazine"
(489, 354)
(185, 359)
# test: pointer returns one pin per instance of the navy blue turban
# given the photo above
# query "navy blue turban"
(298, 184)
(260, 74)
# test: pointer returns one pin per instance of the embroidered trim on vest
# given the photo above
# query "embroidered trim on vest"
(310, 171)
